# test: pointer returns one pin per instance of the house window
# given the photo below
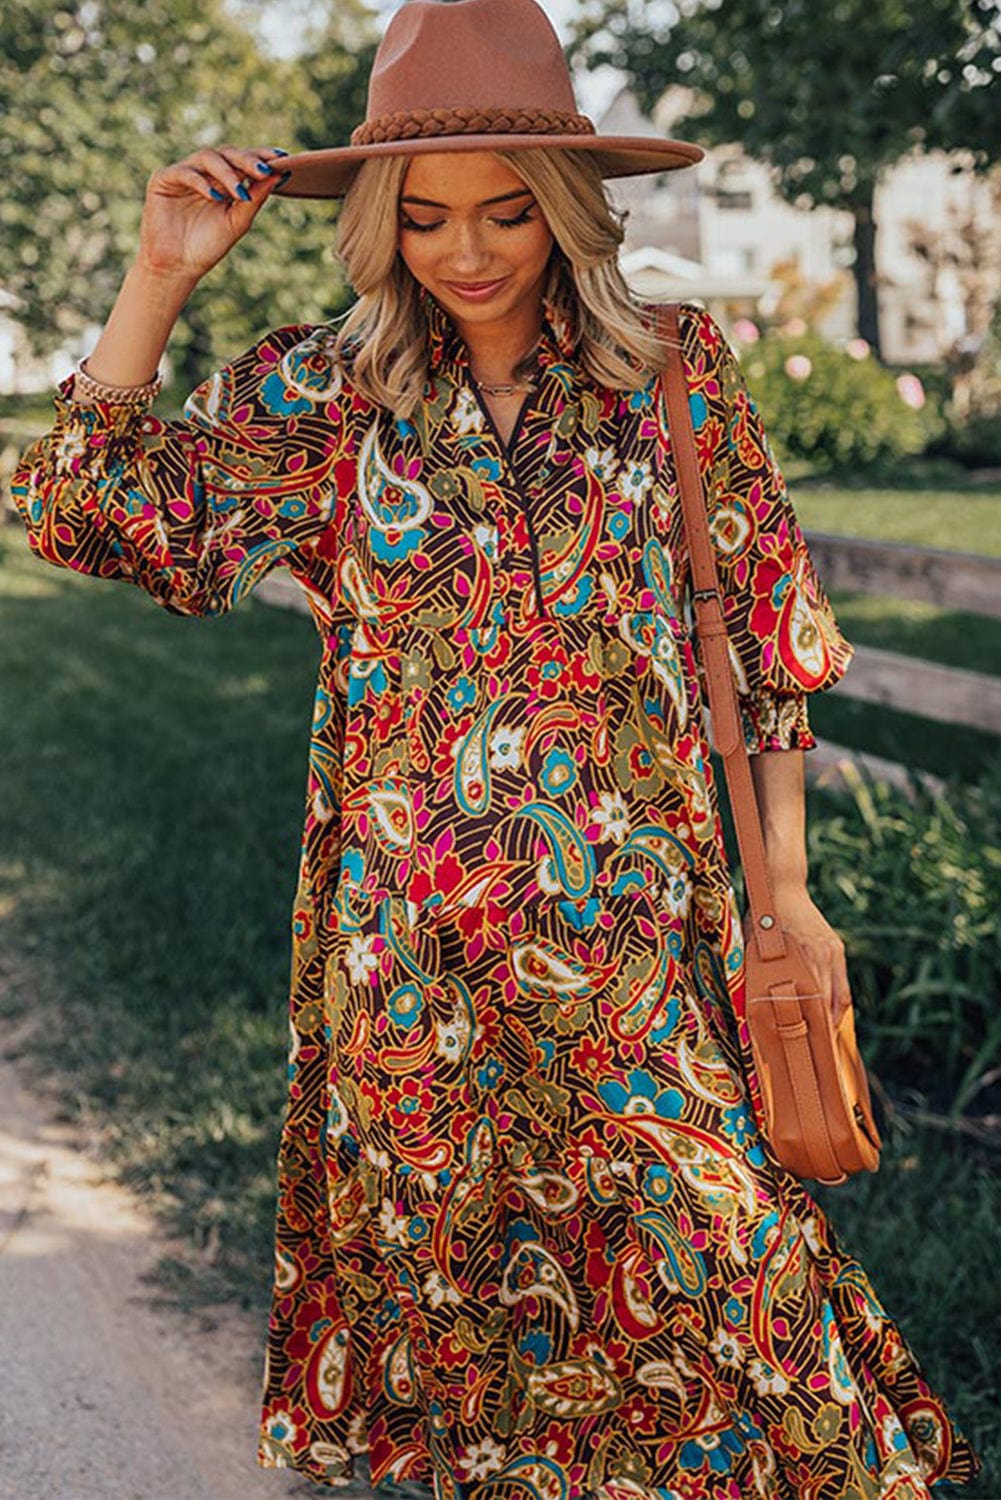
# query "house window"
(734, 198)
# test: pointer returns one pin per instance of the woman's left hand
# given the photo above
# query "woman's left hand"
(823, 946)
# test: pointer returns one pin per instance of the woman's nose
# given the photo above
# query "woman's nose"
(467, 248)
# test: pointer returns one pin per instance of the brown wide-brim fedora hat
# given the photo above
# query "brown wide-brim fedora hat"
(473, 75)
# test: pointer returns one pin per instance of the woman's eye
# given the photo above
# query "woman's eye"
(521, 218)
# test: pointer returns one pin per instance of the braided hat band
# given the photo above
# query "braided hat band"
(411, 124)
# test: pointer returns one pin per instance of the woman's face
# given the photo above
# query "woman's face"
(466, 217)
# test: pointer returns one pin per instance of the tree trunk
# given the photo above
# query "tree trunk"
(865, 272)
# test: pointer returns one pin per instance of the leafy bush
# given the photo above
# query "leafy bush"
(820, 403)
(914, 887)
(975, 441)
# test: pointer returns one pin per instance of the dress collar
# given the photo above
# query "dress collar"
(447, 351)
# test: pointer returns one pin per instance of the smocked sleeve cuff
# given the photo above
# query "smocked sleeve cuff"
(776, 721)
(97, 421)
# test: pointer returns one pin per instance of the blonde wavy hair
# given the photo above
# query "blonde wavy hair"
(386, 325)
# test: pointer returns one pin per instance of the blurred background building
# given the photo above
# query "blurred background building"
(720, 233)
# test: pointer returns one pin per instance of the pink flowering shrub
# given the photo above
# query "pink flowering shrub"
(745, 331)
(798, 367)
(836, 407)
(911, 391)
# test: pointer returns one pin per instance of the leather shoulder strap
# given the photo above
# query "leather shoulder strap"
(727, 727)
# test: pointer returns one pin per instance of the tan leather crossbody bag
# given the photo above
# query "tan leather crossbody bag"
(814, 1090)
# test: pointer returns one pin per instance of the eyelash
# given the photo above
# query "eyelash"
(521, 218)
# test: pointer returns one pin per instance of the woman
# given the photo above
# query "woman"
(529, 1241)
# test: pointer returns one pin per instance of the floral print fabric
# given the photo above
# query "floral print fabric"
(529, 1240)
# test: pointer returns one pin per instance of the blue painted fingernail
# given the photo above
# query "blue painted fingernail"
(284, 177)
(241, 192)
(278, 151)
(219, 197)
(262, 166)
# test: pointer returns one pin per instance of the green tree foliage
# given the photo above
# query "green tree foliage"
(94, 96)
(339, 39)
(827, 95)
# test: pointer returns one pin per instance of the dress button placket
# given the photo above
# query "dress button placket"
(524, 493)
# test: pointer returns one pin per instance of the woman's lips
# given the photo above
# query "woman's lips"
(476, 293)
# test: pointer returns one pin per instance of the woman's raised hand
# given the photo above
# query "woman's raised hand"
(197, 209)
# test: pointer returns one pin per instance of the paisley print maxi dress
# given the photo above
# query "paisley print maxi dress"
(529, 1241)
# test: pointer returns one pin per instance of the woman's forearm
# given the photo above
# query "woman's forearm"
(780, 787)
(140, 323)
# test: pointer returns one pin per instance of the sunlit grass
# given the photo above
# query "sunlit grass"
(960, 520)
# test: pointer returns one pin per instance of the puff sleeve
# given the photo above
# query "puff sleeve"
(193, 511)
(785, 642)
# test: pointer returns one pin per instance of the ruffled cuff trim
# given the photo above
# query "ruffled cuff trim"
(776, 721)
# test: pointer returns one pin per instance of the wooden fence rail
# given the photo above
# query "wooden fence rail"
(962, 581)
(952, 580)
(950, 695)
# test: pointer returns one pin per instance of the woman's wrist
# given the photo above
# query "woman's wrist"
(786, 874)
(785, 853)
(170, 288)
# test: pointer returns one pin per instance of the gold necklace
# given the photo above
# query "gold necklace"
(504, 390)
(527, 384)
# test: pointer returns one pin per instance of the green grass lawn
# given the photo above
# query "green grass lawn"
(961, 520)
(151, 795)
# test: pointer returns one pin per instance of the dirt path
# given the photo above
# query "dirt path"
(103, 1396)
